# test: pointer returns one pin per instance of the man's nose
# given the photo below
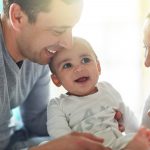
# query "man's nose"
(66, 40)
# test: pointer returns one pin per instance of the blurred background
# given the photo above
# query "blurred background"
(114, 29)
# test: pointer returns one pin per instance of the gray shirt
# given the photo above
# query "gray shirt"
(27, 86)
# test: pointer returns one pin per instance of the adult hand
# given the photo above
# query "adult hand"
(74, 141)
(141, 140)
(118, 116)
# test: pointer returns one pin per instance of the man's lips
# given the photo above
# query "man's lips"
(51, 51)
(54, 49)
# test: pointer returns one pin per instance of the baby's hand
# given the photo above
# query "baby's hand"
(119, 117)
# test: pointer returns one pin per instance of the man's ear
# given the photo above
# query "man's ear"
(17, 16)
(55, 80)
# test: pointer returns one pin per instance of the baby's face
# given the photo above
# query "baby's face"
(146, 40)
(77, 69)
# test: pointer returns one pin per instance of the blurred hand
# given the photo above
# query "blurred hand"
(141, 140)
(74, 141)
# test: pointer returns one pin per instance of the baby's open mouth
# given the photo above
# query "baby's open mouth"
(82, 79)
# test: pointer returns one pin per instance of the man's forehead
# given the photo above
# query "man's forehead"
(64, 14)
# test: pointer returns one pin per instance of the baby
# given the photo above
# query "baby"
(88, 105)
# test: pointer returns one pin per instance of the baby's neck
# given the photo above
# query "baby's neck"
(89, 93)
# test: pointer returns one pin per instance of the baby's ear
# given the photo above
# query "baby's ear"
(55, 80)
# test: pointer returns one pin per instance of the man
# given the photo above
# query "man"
(31, 31)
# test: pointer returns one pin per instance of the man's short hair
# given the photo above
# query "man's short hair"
(32, 7)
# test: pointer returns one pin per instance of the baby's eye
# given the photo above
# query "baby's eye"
(85, 60)
(68, 65)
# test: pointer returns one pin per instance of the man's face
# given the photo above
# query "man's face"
(39, 41)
